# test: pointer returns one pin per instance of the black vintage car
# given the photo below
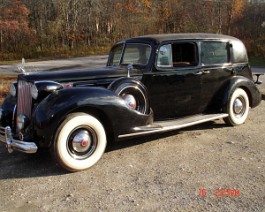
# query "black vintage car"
(151, 84)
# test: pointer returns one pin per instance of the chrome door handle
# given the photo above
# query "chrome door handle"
(230, 69)
(206, 72)
(202, 72)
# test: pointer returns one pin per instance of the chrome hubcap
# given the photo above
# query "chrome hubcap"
(130, 101)
(82, 141)
(239, 106)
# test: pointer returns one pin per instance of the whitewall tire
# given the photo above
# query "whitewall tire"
(237, 107)
(80, 142)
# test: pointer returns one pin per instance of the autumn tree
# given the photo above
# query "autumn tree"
(14, 25)
(42, 17)
(76, 25)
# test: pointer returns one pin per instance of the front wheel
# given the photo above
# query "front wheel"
(237, 107)
(80, 142)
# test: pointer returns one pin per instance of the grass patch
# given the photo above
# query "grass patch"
(5, 80)
(11, 62)
(257, 61)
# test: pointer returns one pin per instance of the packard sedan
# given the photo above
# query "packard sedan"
(151, 84)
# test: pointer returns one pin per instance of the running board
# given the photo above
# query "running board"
(164, 126)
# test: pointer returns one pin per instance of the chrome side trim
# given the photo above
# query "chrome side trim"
(13, 144)
(160, 127)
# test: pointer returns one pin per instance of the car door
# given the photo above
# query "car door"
(217, 69)
(174, 84)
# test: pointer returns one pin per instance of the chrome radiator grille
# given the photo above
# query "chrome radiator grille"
(24, 99)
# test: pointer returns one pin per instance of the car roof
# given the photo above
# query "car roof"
(182, 36)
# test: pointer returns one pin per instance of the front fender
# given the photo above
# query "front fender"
(246, 84)
(54, 108)
(8, 107)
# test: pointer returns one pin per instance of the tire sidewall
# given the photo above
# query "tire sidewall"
(233, 119)
(62, 154)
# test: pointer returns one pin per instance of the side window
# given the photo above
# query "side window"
(164, 58)
(214, 53)
(184, 54)
(177, 55)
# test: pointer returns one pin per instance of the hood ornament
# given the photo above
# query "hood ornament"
(21, 68)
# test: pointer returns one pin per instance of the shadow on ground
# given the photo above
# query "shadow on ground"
(20, 165)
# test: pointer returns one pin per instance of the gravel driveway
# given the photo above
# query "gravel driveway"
(184, 170)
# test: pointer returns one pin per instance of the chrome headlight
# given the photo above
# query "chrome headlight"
(13, 89)
(22, 121)
(41, 89)
(34, 92)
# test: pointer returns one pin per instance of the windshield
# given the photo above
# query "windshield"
(133, 53)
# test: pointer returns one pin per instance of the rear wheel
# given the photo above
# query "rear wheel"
(237, 107)
(80, 142)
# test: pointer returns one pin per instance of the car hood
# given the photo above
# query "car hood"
(78, 75)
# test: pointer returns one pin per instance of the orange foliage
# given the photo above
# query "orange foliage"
(14, 25)
(135, 7)
(238, 8)
(14, 16)
(146, 3)
(129, 6)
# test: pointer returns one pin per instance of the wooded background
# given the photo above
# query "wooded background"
(54, 28)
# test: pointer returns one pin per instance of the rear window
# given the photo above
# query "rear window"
(214, 53)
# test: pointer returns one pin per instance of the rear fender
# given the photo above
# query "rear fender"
(246, 84)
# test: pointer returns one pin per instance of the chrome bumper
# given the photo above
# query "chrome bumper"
(13, 144)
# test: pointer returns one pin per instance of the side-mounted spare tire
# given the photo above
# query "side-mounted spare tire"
(133, 92)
